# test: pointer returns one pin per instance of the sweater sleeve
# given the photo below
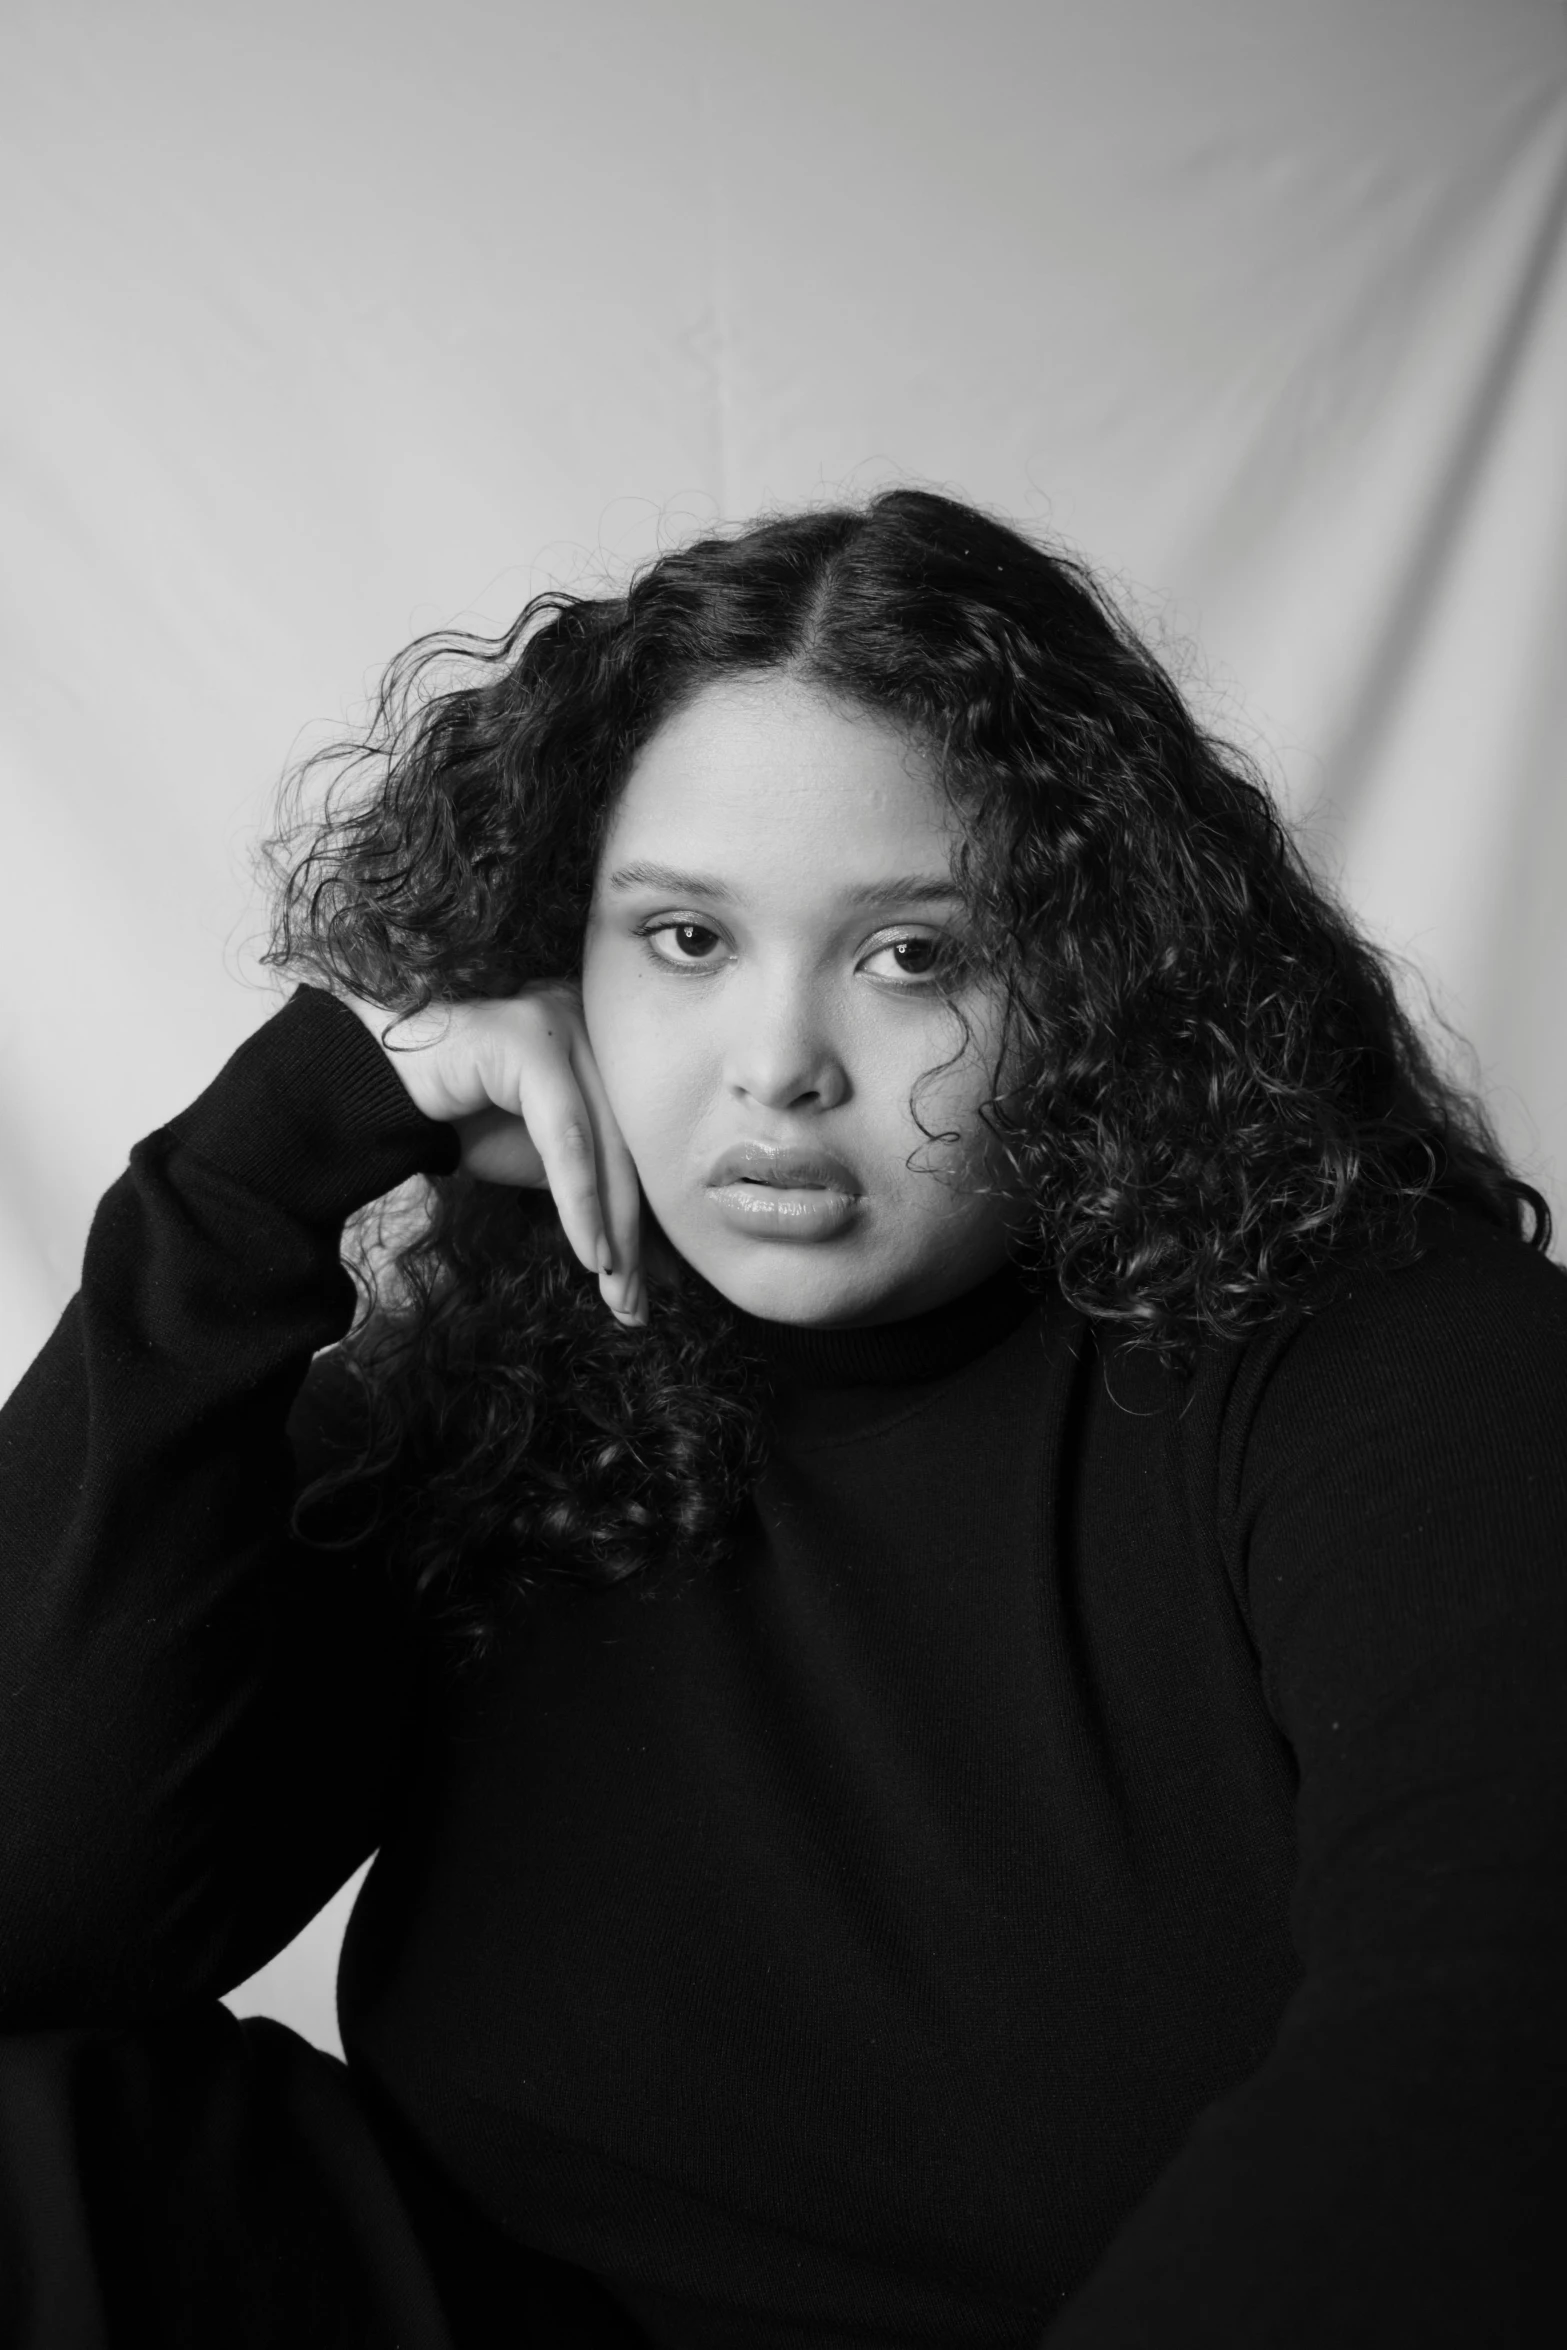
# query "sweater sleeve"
(202, 1717)
(1396, 1474)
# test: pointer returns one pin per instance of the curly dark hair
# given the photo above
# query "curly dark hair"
(1220, 1098)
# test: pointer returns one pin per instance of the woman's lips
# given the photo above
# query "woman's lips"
(790, 1165)
(770, 1191)
(775, 1211)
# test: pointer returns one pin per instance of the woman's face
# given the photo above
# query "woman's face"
(773, 894)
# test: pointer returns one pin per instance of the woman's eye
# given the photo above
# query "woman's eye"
(690, 942)
(912, 958)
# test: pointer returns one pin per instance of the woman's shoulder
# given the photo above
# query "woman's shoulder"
(1476, 1312)
(1422, 1404)
(1476, 1307)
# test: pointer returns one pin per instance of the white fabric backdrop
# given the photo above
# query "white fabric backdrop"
(331, 321)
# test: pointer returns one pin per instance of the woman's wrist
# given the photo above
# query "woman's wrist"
(310, 1115)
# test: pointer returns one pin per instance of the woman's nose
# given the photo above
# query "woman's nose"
(781, 1051)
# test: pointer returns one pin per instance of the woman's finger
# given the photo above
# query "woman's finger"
(550, 1103)
(497, 1147)
(620, 1192)
(623, 1196)
(549, 1123)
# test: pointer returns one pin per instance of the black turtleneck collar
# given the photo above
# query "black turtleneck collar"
(894, 1354)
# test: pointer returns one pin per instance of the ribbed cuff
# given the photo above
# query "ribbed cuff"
(310, 1115)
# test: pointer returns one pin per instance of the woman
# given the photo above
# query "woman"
(935, 1569)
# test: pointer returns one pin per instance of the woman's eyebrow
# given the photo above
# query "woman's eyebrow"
(903, 889)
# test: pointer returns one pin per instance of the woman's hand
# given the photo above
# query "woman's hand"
(517, 1078)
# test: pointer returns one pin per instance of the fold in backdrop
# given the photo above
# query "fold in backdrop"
(331, 322)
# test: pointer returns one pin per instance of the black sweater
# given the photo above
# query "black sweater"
(1092, 1868)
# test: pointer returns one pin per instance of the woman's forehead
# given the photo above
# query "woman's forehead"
(762, 766)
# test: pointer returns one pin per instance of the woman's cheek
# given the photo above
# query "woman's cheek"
(655, 1103)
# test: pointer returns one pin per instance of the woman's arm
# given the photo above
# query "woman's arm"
(1394, 2172)
(200, 1719)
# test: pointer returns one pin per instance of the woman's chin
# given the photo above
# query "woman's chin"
(847, 1298)
(820, 1285)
